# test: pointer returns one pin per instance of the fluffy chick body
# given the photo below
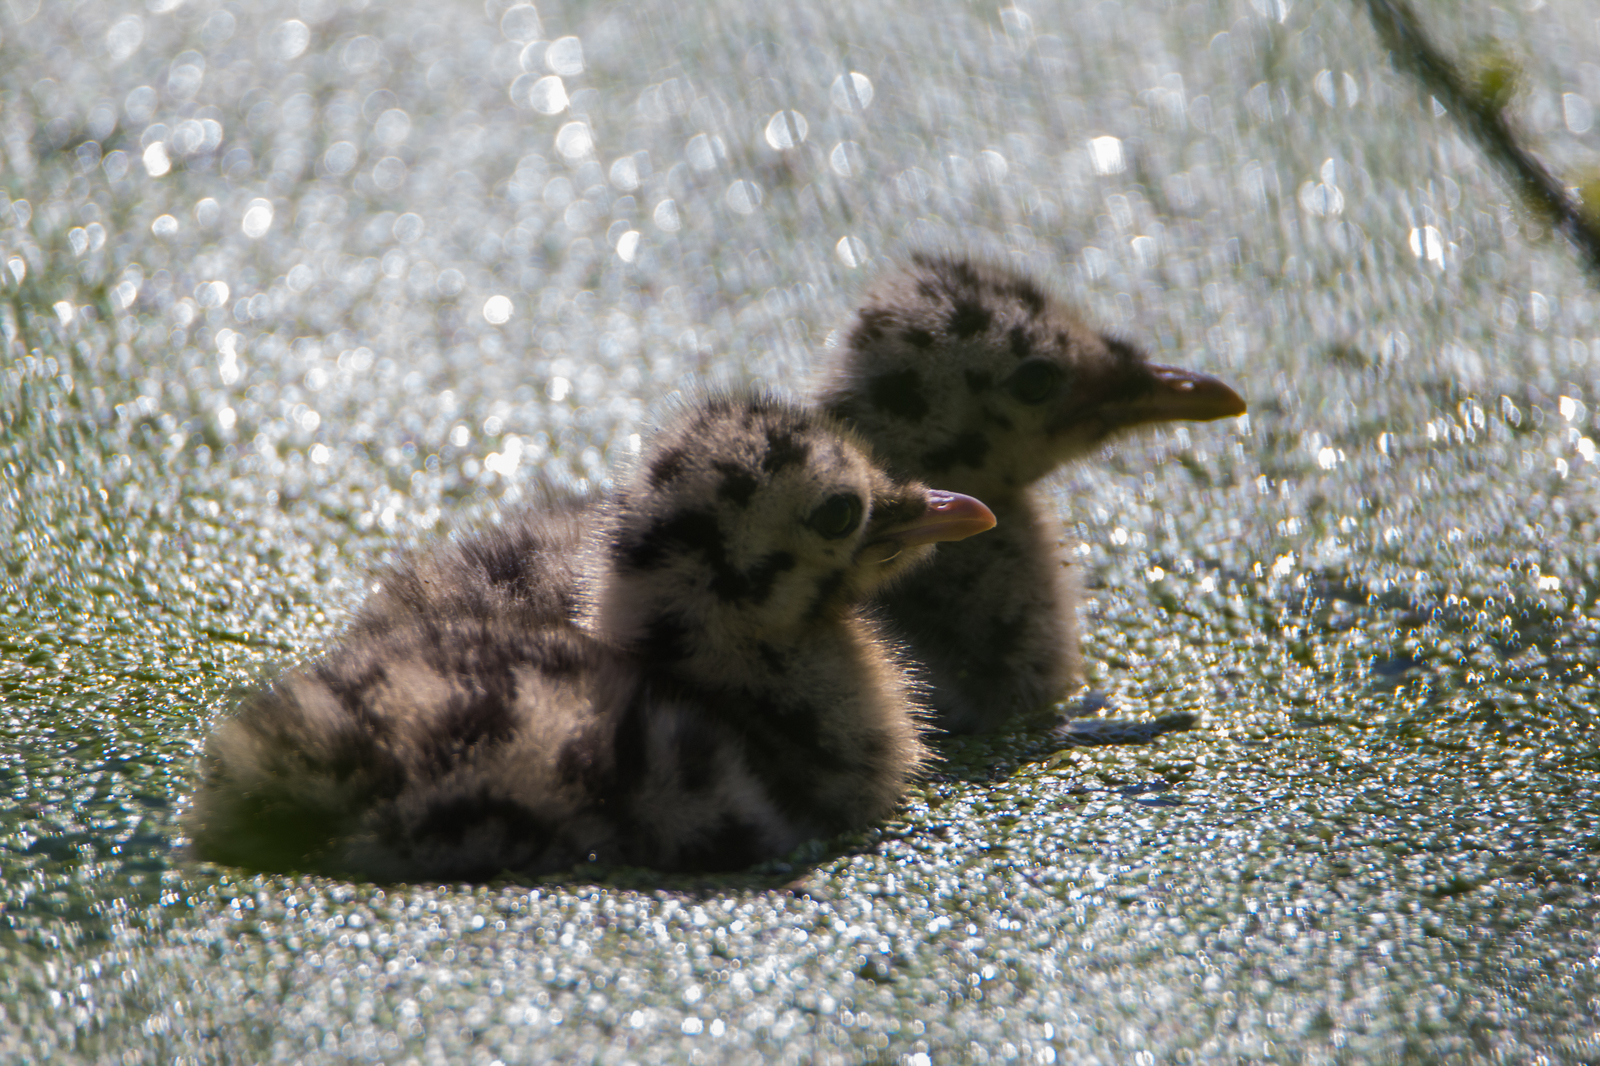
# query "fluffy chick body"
(972, 375)
(677, 677)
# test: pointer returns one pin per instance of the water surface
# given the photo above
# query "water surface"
(287, 287)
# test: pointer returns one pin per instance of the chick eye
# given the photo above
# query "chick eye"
(837, 516)
(1035, 382)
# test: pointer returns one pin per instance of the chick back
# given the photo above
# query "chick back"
(434, 750)
(458, 749)
(527, 569)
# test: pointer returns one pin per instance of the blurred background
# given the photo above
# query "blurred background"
(289, 286)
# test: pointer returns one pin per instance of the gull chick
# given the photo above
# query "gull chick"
(971, 375)
(677, 677)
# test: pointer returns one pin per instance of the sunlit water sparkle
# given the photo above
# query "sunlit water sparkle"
(287, 287)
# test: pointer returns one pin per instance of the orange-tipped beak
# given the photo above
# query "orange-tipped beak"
(950, 516)
(1185, 396)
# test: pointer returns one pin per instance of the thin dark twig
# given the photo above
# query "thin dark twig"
(1485, 119)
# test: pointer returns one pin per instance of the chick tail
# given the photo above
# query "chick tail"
(282, 781)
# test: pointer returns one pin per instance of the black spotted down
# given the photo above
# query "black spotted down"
(630, 752)
(484, 714)
(899, 393)
(753, 585)
(696, 754)
(1129, 357)
(793, 753)
(870, 327)
(666, 466)
(730, 846)
(1021, 343)
(352, 683)
(1029, 295)
(681, 676)
(969, 318)
(966, 449)
(825, 600)
(771, 658)
(738, 484)
(666, 637)
(895, 509)
(1017, 385)
(518, 828)
(691, 531)
(784, 451)
(699, 532)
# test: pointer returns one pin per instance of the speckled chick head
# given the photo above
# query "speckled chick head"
(750, 517)
(970, 375)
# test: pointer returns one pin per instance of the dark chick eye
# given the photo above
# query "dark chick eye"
(1035, 382)
(837, 516)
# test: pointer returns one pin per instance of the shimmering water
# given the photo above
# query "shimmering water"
(287, 286)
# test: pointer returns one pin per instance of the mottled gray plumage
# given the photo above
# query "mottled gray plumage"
(676, 677)
(971, 375)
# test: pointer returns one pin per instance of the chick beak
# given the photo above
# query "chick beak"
(1183, 396)
(950, 516)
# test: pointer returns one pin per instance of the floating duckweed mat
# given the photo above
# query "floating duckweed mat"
(288, 287)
